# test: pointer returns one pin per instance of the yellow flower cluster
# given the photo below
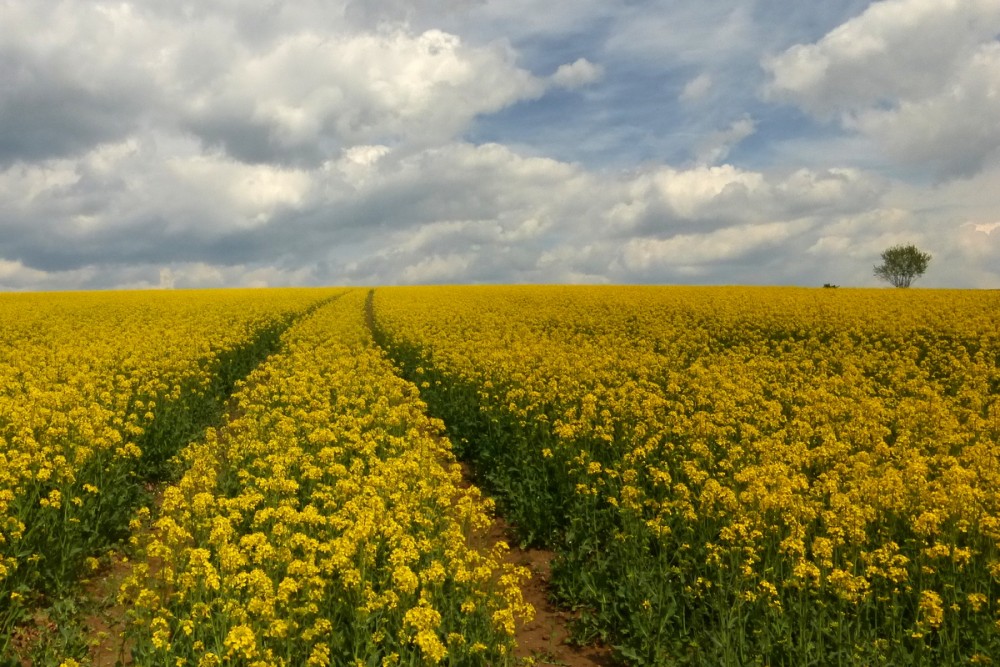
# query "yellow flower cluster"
(325, 524)
(782, 475)
(86, 381)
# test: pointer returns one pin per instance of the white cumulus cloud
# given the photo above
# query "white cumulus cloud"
(262, 85)
(920, 77)
(577, 74)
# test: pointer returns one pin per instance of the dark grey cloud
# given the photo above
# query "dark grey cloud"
(49, 112)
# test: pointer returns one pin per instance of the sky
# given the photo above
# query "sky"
(213, 143)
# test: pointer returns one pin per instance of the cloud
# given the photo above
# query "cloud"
(372, 13)
(148, 144)
(975, 255)
(66, 87)
(577, 74)
(128, 202)
(688, 33)
(525, 21)
(696, 88)
(952, 133)
(655, 224)
(706, 198)
(80, 75)
(308, 95)
(15, 275)
(920, 77)
(895, 48)
(690, 250)
(377, 214)
(715, 147)
(128, 215)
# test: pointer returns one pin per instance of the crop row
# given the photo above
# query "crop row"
(97, 393)
(735, 475)
(325, 524)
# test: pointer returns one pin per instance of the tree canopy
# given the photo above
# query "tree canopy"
(901, 264)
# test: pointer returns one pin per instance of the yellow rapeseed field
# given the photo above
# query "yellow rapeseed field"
(735, 475)
(729, 476)
(94, 387)
(326, 524)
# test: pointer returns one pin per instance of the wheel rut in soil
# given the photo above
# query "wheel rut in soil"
(546, 640)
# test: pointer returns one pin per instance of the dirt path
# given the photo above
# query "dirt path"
(107, 624)
(544, 639)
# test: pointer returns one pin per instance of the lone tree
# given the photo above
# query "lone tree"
(901, 264)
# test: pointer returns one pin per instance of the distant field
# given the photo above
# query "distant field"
(728, 475)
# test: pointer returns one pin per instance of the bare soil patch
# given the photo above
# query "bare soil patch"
(546, 640)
